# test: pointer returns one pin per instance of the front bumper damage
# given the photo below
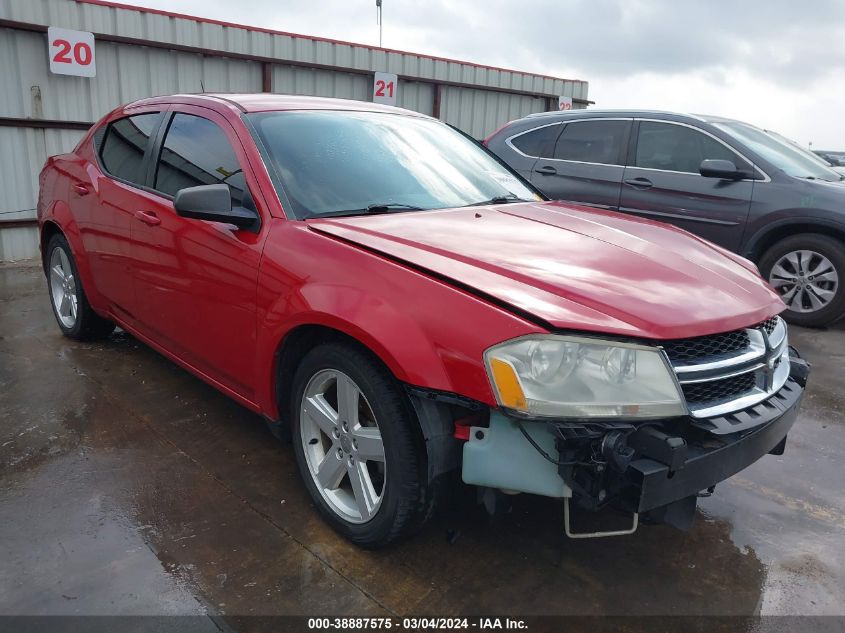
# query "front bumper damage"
(653, 469)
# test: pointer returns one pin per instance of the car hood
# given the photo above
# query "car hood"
(574, 268)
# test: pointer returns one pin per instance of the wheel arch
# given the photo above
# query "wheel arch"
(59, 220)
(435, 412)
(771, 234)
(301, 339)
(48, 229)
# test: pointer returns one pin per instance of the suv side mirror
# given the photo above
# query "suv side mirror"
(213, 202)
(720, 168)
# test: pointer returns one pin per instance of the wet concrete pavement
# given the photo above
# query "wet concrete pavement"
(127, 486)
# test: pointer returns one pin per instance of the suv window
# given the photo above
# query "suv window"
(538, 143)
(678, 148)
(122, 149)
(592, 142)
(197, 152)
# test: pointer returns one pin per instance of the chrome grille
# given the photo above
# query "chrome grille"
(728, 372)
(717, 390)
(704, 346)
(770, 324)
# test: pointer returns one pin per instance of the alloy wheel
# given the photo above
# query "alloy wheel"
(63, 288)
(806, 280)
(343, 446)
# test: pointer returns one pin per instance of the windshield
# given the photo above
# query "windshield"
(333, 163)
(781, 153)
(809, 153)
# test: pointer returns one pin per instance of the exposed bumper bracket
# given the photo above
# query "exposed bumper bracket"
(568, 529)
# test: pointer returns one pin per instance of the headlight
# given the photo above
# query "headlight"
(565, 376)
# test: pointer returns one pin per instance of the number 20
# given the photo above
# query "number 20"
(81, 53)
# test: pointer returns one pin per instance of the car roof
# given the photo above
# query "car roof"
(271, 102)
(591, 113)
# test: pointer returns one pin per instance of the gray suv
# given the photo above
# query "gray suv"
(732, 183)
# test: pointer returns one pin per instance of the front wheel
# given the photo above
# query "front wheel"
(808, 271)
(358, 445)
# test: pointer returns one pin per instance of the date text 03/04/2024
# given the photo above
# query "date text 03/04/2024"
(414, 624)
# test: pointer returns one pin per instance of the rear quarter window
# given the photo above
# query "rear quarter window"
(539, 142)
(124, 144)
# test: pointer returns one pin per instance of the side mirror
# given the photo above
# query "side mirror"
(213, 202)
(720, 168)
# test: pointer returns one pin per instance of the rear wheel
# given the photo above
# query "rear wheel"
(357, 445)
(808, 271)
(73, 313)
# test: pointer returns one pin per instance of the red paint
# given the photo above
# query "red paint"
(220, 301)
(381, 86)
(61, 55)
(313, 38)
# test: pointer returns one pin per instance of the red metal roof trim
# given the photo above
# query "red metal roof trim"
(184, 16)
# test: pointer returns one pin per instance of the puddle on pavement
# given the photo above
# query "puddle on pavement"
(134, 487)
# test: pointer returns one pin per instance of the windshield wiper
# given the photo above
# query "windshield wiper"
(499, 200)
(378, 207)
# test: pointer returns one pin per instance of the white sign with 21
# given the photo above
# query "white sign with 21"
(385, 87)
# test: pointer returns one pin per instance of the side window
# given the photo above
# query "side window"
(678, 148)
(122, 149)
(197, 152)
(592, 142)
(537, 143)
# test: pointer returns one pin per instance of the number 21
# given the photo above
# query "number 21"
(381, 86)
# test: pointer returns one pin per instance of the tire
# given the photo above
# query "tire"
(399, 481)
(76, 318)
(813, 300)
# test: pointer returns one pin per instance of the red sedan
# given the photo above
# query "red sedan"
(411, 312)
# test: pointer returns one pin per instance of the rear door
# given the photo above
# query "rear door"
(196, 280)
(585, 164)
(105, 205)
(662, 182)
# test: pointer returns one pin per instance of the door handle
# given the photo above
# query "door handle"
(546, 170)
(148, 217)
(81, 189)
(639, 183)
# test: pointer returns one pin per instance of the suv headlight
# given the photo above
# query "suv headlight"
(567, 376)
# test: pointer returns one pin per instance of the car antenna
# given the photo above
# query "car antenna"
(202, 86)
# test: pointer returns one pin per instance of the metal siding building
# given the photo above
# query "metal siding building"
(144, 52)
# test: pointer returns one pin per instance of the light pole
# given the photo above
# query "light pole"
(378, 19)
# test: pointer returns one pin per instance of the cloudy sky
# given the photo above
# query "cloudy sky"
(779, 64)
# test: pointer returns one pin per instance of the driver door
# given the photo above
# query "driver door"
(196, 280)
(662, 182)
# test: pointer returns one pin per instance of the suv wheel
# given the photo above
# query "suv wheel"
(75, 317)
(358, 445)
(808, 271)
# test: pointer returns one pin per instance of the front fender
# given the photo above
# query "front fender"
(428, 333)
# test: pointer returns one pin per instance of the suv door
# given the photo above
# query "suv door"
(104, 205)
(662, 181)
(196, 280)
(586, 163)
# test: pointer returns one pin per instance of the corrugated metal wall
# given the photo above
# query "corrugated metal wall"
(124, 73)
(142, 53)
(22, 153)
